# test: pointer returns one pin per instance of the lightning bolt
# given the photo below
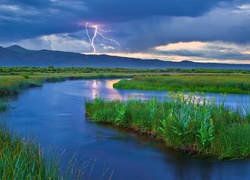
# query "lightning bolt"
(87, 32)
(92, 40)
(100, 32)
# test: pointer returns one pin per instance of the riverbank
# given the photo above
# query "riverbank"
(13, 84)
(23, 158)
(15, 79)
(216, 83)
(188, 123)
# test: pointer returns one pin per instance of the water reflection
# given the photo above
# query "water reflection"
(95, 91)
(109, 83)
(100, 86)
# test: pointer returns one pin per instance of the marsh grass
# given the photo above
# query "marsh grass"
(233, 83)
(13, 85)
(190, 123)
(3, 105)
(24, 159)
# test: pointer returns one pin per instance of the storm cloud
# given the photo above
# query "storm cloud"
(139, 26)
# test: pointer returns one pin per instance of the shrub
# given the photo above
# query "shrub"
(26, 75)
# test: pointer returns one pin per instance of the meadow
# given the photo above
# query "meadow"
(188, 123)
(15, 79)
(216, 83)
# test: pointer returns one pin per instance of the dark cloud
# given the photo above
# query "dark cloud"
(41, 17)
(29, 19)
(184, 53)
(228, 56)
(210, 52)
(122, 10)
(33, 3)
(217, 25)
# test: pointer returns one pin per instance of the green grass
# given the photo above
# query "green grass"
(50, 69)
(20, 158)
(13, 84)
(188, 123)
(230, 83)
(3, 105)
(24, 159)
(15, 79)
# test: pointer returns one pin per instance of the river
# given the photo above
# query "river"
(55, 114)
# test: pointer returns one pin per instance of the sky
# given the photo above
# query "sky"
(171, 30)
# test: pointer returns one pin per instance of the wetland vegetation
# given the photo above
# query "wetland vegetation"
(24, 159)
(14, 79)
(189, 123)
(217, 83)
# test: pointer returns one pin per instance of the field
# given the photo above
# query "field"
(217, 83)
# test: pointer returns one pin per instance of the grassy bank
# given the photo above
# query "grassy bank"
(18, 70)
(15, 79)
(233, 83)
(188, 123)
(23, 159)
(13, 84)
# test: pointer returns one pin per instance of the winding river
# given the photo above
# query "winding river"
(55, 113)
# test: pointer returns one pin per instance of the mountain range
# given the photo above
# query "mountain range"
(18, 56)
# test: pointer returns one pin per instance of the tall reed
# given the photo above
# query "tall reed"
(185, 122)
(24, 159)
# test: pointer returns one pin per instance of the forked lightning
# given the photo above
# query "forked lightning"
(97, 31)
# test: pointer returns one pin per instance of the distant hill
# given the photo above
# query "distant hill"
(18, 49)
(18, 56)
